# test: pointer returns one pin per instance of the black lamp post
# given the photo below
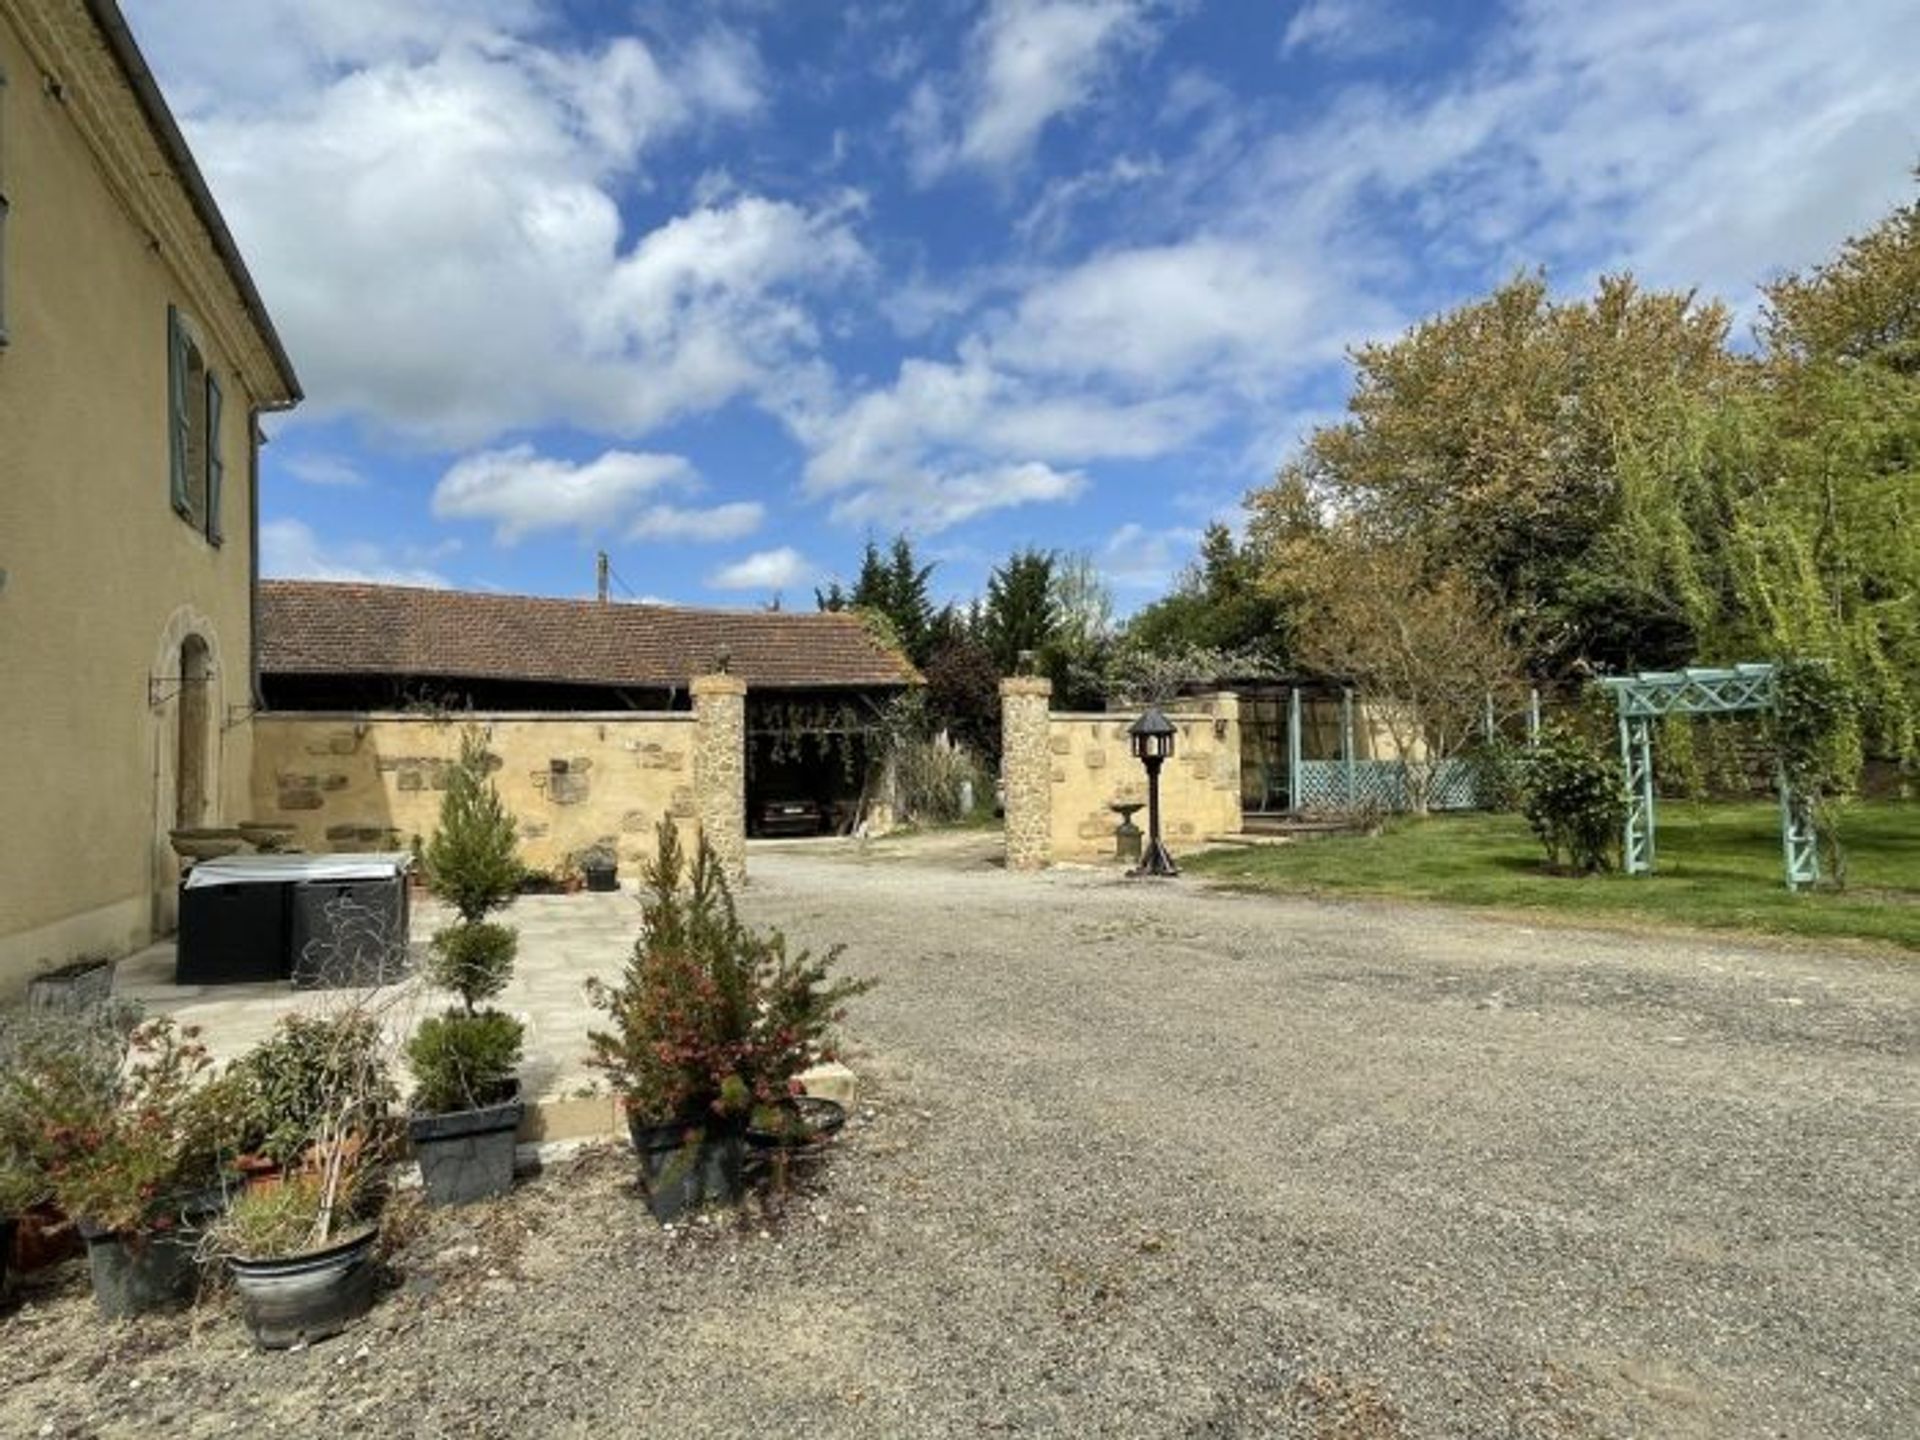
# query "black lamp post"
(1152, 739)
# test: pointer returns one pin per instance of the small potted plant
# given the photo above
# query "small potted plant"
(711, 1025)
(300, 1250)
(466, 1102)
(318, 1080)
(132, 1153)
(601, 868)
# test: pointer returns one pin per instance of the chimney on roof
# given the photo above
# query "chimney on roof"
(600, 568)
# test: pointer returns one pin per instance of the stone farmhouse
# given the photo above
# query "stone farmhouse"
(135, 359)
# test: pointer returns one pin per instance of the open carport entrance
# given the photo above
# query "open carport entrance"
(815, 762)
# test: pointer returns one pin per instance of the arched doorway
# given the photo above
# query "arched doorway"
(190, 758)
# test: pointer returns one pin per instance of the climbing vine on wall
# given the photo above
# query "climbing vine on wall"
(1815, 727)
(821, 732)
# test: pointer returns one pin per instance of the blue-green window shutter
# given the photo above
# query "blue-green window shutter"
(215, 469)
(177, 411)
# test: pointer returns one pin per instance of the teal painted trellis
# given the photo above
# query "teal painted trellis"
(1641, 699)
(1348, 783)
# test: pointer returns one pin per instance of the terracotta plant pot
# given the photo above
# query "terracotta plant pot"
(45, 1237)
(258, 1172)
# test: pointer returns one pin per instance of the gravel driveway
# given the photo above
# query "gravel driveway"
(1154, 1160)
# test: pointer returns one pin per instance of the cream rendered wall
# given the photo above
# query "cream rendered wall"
(102, 578)
(1093, 766)
(621, 773)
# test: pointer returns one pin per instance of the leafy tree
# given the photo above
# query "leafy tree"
(1219, 604)
(963, 695)
(1492, 435)
(1423, 647)
(1021, 613)
(1863, 305)
(905, 601)
(892, 585)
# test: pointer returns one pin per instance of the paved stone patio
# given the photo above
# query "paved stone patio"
(564, 941)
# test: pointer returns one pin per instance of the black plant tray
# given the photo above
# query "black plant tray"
(811, 1122)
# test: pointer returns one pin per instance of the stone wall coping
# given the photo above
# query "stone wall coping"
(718, 685)
(1026, 685)
(386, 717)
(1179, 717)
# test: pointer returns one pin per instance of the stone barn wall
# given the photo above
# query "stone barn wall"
(569, 780)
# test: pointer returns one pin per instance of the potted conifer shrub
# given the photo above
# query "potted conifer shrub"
(709, 1028)
(466, 1101)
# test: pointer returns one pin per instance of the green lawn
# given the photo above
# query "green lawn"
(1718, 866)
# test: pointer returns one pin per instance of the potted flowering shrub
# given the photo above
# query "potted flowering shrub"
(315, 1100)
(709, 1028)
(466, 1100)
(132, 1153)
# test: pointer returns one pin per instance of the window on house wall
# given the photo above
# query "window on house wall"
(193, 429)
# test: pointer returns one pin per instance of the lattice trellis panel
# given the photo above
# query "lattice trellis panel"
(1380, 785)
(1693, 692)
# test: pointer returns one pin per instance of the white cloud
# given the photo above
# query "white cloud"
(1162, 315)
(947, 442)
(289, 550)
(523, 492)
(431, 199)
(928, 502)
(1352, 29)
(1136, 558)
(1030, 63)
(1701, 144)
(779, 569)
(720, 522)
(329, 470)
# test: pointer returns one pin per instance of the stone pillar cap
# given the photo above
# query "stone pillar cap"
(1026, 685)
(718, 685)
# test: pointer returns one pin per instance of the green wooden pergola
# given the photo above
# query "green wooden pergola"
(1641, 699)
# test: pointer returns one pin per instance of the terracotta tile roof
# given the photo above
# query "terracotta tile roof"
(312, 627)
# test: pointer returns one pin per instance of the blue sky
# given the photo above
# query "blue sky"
(724, 289)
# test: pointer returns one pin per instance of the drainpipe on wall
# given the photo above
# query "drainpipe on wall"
(254, 442)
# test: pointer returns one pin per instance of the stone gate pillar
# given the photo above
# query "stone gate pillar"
(1026, 766)
(720, 768)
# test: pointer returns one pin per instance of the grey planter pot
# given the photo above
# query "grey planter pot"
(72, 987)
(467, 1155)
(303, 1298)
(141, 1273)
(685, 1165)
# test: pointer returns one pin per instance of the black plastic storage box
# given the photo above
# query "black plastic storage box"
(349, 934)
(231, 934)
